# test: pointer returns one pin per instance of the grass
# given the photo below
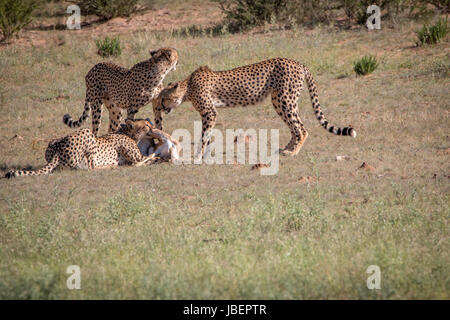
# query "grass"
(191, 232)
(432, 34)
(365, 65)
(108, 47)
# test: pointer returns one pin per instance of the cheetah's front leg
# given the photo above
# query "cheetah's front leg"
(132, 110)
(208, 122)
(115, 117)
(158, 114)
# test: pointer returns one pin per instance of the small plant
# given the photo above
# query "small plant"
(434, 33)
(108, 47)
(365, 65)
(14, 15)
(108, 9)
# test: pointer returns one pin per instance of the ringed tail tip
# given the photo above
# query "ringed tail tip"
(66, 118)
(10, 174)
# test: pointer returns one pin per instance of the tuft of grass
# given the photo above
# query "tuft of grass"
(108, 47)
(433, 34)
(365, 65)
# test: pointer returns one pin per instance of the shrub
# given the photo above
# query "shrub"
(310, 11)
(356, 10)
(108, 9)
(433, 34)
(14, 15)
(365, 65)
(109, 47)
(443, 5)
(244, 14)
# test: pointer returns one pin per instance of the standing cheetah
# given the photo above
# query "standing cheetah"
(82, 146)
(119, 88)
(280, 78)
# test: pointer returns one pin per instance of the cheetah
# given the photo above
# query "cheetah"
(280, 78)
(110, 150)
(120, 88)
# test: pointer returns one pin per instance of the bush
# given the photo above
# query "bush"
(365, 65)
(108, 47)
(14, 15)
(244, 14)
(108, 9)
(310, 11)
(443, 5)
(433, 34)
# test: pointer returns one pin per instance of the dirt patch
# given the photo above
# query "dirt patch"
(259, 166)
(367, 167)
(243, 138)
(42, 32)
(307, 179)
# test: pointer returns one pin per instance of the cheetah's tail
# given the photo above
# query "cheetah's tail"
(44, 170)
(345, 131)
(67, 119)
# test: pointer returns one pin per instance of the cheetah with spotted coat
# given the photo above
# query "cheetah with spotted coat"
(83, 148)
(120, 88)
(280, 78)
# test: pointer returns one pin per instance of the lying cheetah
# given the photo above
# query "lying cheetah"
(81, 146)
(280, 78)
(119, 88)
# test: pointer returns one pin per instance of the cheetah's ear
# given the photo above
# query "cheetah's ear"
(152, 52)
(176, 85)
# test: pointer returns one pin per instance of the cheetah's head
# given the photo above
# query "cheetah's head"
(137, 129)
(167, 57)
(171, 97)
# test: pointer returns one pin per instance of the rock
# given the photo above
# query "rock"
(341, 158)
(259, 166)
(17, 137)
(243, 138)
(187, 198)
(307, 179)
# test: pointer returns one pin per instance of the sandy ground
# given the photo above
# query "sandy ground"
(41, 32)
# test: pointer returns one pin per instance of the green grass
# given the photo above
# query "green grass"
(225, 231)
(365, 65)
(432, 34)
(108, 47)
